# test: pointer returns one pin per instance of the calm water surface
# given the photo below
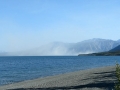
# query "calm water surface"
(15, 69)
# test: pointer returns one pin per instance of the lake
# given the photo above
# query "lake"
(20, 68)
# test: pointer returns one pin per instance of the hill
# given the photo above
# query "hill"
(115, 49)
(60, 49)
(113, 52)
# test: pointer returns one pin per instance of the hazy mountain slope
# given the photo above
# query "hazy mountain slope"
(118, 40)
(59, 48)
(113, 52)
(55, 48)
(115, 49)
(95, 45)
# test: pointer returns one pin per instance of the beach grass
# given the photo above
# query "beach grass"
(117, 86)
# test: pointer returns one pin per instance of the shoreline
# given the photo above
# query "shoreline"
(91, 79)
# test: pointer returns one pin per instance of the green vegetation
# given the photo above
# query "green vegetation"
(117, 86)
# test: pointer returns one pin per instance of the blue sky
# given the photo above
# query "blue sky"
(26, 24)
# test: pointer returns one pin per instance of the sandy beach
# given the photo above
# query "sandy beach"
(92, 79)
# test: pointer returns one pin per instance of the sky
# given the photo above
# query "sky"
(26, 24)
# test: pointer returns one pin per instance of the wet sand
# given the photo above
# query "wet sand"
(92, 79)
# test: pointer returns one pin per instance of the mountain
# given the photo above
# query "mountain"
(113, 52)
(116, 49)
(118, 40)
(59, 48)
(94, 45)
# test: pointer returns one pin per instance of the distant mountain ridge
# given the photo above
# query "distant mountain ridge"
(115, 49)
(95, 45)
(59, 48)
(113, 52)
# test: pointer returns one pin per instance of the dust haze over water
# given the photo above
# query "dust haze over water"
(66, 49)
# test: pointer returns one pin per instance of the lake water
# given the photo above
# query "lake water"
(16, 69)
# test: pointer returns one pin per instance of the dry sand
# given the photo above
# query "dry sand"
(91, 79)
